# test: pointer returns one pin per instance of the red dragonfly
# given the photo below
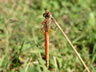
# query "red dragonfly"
(46, 22)
(46, 27)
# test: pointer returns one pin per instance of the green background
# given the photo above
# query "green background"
(22, 39)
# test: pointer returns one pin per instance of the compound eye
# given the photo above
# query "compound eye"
(47, 15)
(44, 14)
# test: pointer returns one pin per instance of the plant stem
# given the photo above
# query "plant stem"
(53, 19)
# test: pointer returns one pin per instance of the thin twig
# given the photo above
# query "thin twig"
(28, 65)
(55, 63)
(53, 19)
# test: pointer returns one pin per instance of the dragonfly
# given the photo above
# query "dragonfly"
(46, 22)
(46, 28)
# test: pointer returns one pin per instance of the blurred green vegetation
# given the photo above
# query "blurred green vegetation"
(21, 38)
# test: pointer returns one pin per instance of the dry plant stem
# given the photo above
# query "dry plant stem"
(53, 19)
(28, 65)
(55, 63)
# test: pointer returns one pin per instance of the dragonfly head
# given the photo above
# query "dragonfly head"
(47, 14)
